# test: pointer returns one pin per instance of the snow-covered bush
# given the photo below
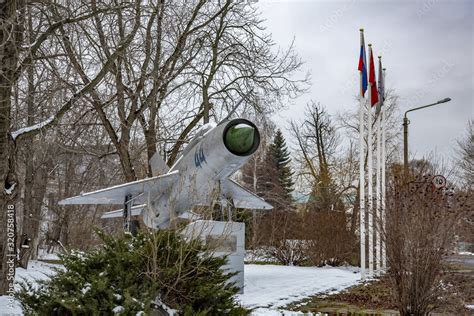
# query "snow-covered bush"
(129, 275)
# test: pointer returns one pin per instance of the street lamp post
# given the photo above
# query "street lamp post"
(405, 130)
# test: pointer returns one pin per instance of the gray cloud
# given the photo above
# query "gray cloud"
(426, 46)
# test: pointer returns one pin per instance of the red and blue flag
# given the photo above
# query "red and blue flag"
(363, 65)
(374, 93)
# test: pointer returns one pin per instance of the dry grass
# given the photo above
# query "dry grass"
(377, 297)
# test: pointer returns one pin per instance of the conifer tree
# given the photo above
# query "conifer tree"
(146, 274)
(281, 157)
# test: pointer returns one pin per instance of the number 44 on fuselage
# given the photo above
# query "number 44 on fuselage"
(200, 177)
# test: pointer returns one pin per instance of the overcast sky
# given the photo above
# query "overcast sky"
(426, 46)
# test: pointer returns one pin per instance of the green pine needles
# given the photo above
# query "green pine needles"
(281, 157)
(151, 273)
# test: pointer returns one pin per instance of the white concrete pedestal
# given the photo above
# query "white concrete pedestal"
(223, 238)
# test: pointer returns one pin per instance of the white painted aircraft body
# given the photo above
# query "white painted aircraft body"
(200, 177)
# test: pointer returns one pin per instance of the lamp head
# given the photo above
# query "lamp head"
(444, 100)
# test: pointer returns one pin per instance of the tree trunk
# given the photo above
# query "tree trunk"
(177, 146)
(27, 209)
(254, 212)
(355, 212)
(26, 235)
(32, 220)
(4, 151)
(126, 161)
(10, 40)
(150, 139)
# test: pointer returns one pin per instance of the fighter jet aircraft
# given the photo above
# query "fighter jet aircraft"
(200, 177)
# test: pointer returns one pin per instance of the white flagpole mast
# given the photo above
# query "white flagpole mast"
(362, 172)
(378, 193)
(369, 172)
(382, 118)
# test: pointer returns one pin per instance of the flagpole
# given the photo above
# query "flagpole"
(362, 172)
(382, 118)
(362, 185)
(369, 175)
(377, 192)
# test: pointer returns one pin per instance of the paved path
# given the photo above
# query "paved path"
(465, 262)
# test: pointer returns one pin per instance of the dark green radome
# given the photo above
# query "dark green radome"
(240, 139)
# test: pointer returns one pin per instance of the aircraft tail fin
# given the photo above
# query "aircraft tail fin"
(158, 165)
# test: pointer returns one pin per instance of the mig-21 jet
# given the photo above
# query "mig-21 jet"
(200, 177)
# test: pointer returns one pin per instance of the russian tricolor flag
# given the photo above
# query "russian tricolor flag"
(363, 65)
(374, 93)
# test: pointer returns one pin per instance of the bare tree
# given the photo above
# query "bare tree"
(329, 172)
(16, 55)
(419, 232)
(466, 155)
(348, 122)
(11, 38)
(238, 70)
(318, 142)
(119, 70)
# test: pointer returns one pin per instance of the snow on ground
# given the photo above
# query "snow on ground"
(44, 255)
(10, 307)
(269, 287)
(37, 271)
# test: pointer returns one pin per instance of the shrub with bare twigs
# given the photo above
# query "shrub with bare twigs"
(420, 221)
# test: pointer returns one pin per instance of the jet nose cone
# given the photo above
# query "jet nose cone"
(241, 138)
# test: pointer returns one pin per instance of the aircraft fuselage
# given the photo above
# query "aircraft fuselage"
(205, 163)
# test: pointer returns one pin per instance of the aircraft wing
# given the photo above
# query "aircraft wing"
(136, 211)
(116, 194)
(242, 197)
(158, 165)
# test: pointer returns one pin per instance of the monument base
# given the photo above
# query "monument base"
(223, 238)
